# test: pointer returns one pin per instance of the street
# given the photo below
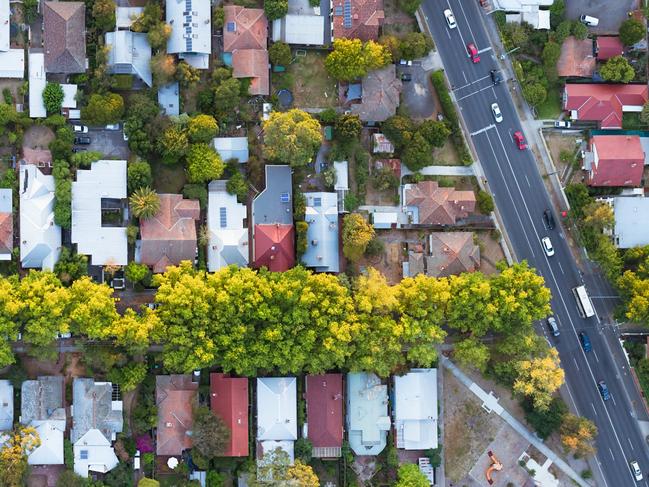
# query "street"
(521, 197)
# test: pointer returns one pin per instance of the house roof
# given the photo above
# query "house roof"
(381, 144)
(6, 405)
(576, 58)
(168, 98)
(608, 47)
(438, 206)
(631, 229)
(50, 451)
(276, 408)
(252, 63)
(175, 396)
(6, 224)
(357, 19)
(274, 204)
(304, 30)
(225, 221)
(130, 53)
(5, 27)
(105, 180)
(322, 235)
(64, 37)
(37, 84)
(244, 28)
(42, 400)
(381, 90)
(124, 16)
(603, 102)
(451, 253)
(12, 63)
(342, 175)
(40, 237)
(169, 237)
(189, 33)
(368, 422)
(95, 409)
(69, 95)
(229, 401)
(274, 247)
(619, 160)
(415, 411)
(324, 406)
(232, 148)
(538, 19)
(93, 453)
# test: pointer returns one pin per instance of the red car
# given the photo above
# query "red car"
(473, 52)
(520, 140)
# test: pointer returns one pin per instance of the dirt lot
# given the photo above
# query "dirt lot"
(390, 262)
(38, 137)
(558, 142)
(447, 155)
(312, 86)
(396, 21)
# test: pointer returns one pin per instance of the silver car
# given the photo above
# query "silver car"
(495, 109)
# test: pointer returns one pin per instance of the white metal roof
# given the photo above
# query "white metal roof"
(130, 53)
(40, 238)
(190, 22)
(105, 245)
(6, 405)
(342, 175)
(306, 30)
(321, 214)
(37, 84)
(367, 413)
(232, 148)
(168, 98)
(50, 451)
(69, 96)
(276, 408)
(5, 27)
(416, 409)
(94, 453)
(124, 16)
(228, 237)
(12, 64)
(631, 221)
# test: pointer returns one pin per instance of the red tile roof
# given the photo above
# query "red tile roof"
(608, 47)
(439, 206)
(175, 395)
(252, 63)
(274, 247)
(244, 28)
(620, 160)
(170, 236)
(229, 401)
(366, 18)
(6, 233)
(324, 409)
(576, 58)
(603, 102)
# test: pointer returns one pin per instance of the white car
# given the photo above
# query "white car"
(635, 469)
(112, 126)
(450, 19)
(547, 246)
(496, 111)
(82, 129)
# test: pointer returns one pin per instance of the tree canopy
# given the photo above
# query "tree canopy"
(291, 137)
(617, 69)
(631, 31)
(203, 164)
(352, 59)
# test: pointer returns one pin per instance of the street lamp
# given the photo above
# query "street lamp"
(503, 56)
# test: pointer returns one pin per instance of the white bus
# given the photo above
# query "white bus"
(584, 305)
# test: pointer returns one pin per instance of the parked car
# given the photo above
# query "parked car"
(82, 129)
(635, 470)
(547, 246)
(603, 390)
(495, 109)
(406, 77)
(520, 140)
(125, 135)
(552, 325)
(136, 460)
(562, 124)
(112, 126)
(496, 76)
(589, 21)
(450, 19)
(405, 62)
(585, 341)
(473, 52)
(82, 140)
(548, 219)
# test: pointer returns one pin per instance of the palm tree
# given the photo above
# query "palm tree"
(145, 203)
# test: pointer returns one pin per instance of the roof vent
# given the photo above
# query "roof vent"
(169, 425)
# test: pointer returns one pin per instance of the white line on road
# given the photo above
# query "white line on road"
(475, 92)
(613, 399)
(448, 32)
(528, 181)
(465, 18)
(483, 129)
(631, 444)
(466, 80)
(484, 50)
(594, 410)
(472, 83)
(612, 456)
(596, 357)
(561, 267)
(575, 360)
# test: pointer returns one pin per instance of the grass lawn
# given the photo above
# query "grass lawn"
(446, 155)
(166, 178)
(312, 86)
(631, 121)
(551, 108)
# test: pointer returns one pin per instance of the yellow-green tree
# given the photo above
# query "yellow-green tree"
(291, 137)
(410, 476)
(357, 233)
(13, 455)
(203, 164)
(539, 378)
(472, 353)
(92, 308)
(202, 128)
(135, 332)
(352, 59)
(578, 434)
(9, 308)
(302, 475)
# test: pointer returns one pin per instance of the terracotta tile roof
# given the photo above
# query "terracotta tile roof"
(576, 58)
(229, 401)
(244, 28)
(439, 206)
(175, 395)
(6, 233)
(64, 37)
(324, 406)
(252, 63)
(620, 160)
(381, 89)
(274, 247)
(603, 102)
(170, 236)
(451, 253)
(365, 18)
(608, 47)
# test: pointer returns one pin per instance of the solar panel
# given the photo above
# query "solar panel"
(317, 202)
(285, 198)
(224, 216)
(347, 20)
(338, 10)
(232, 26)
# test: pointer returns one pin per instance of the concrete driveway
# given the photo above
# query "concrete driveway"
(610, 14)
(415, 94)
(110, 143)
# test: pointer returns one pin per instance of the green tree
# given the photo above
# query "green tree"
(291, 137)
(357, 233)
(13, 455)
(410, 476)
(562, 31)
(579, 30)
(202, 128)
(187, 75)
(31, 10)
(384, 179)
(135, 272)
(9, 306)
(138, 175)
(578, 434)
(69, 478)
(103, 109)
(617, 69)
(70, 266)
(632, 31)
(61, 146)
(85, 158)
(91, 308)
(644, 115)
(436, 133)
(226, 98)
(392, 44)
(145, 203)
(352, 59)
(415, 45)
(534, 93)
(53, 98)
(539, 378)
(550, 56)
(128, 376)
(472, 353)
(545, 422)
(158, 35)
(210, 435)
(399, 130)
(103, 12)
(557, 12)
(203, 164)
(418, 153)
(173, 144)
(280, 54)
(275, 9)
(348, 127)
(409, 6)
(485, 202)
(238, 186)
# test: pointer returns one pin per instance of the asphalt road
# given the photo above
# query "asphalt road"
(521, 197)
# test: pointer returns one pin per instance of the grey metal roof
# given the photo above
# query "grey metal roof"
(322, 235)
(232, 148)
(631, 221)
(270, 206)
(6, 405)
(130, 53)
(93, 409)
(168, 99)
(42, 399)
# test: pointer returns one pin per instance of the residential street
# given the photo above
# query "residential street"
(521, 197)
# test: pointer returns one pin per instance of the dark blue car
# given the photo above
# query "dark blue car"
(585, 341)
(603, 390)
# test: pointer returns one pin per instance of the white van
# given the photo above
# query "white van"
(589, 21)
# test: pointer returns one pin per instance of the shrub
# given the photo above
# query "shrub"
(280, 54)
(196, 192)
(53, 97)
(631, 31)
(485, 202)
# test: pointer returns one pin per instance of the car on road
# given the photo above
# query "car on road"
(82, 140)
(473, 52)
(603, 390)
(495, 109)
(450, 19)
(552, 325)
(112, 126)
(548, 219)
(496, 76)
(547, 246)
(635, 470)
(562, 124)
(585, 341)
(520, 140)
(81, 129)
(406, 77)
(589, 21)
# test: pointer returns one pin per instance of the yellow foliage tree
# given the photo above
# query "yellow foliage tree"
(302, 475)
(357, 233)
(539, 378)
(577, 434)
(291, 137)
(13, 455)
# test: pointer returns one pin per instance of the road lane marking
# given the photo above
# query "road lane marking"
(613, 399)
(486, 49)
(459, 31)
(472, 83)
(596, 357)
(475, 92)
(483, 129)
(630, 444)
(466, 80)
(575, 360)
(561, 267)
(448, 32)
(612, 456)
(528, 181)
(465, 18)
(594, 410)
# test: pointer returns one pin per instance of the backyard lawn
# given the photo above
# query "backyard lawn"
(551, 108)
(307, 78)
